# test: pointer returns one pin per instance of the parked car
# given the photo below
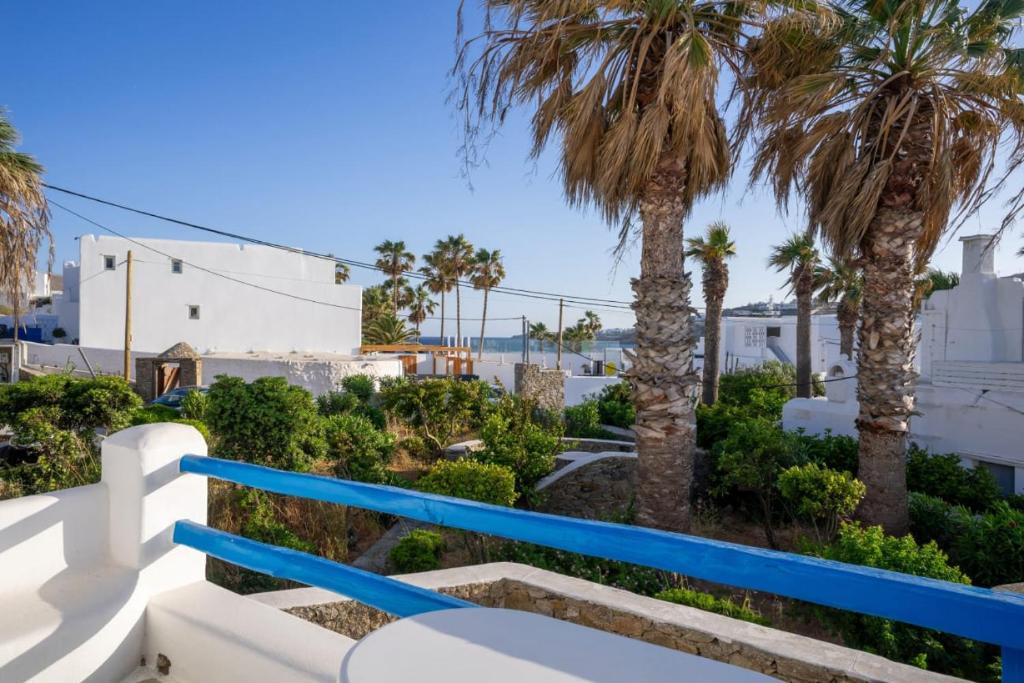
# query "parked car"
(173, 398)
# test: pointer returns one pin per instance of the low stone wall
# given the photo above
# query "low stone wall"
(595, 486)
(786, 656)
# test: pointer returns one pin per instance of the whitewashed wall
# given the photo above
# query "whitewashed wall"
(232, 316)
(317, 375)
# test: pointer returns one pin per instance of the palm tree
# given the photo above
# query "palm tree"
(24, 218)
(488, 271)
(541, 333)
(592, 321)
(439, 278)
(388, 329)
(629, 91)
(404, 294)
(841, 282)
(341, 273)
(459, 255)
(798, 256)
(886, 116)
(712, 250)
(421, 306)
(394, 260)
(376, 303)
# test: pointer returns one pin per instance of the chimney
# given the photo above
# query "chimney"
(979, 256)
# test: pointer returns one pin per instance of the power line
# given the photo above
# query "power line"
(221, 274)
(528, 293)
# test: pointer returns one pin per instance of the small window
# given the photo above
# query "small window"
(193, 313)
(1003, 474)
(176, 266)
(774, 331)
(109, 263)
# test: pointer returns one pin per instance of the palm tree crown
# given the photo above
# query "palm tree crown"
(24, 216)
(712, 250)
(891, 103)
(394, 260)
(625, 84)
(421, 305)
(796, 255)
(715, 246)
(488, 272)
(458, 255)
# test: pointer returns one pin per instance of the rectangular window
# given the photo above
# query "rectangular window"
(753, 336)
(1003, 474)
(774, 331)
(176, 266)
(109, 263)
(193, 313)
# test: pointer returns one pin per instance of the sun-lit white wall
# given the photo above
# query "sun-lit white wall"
(232, 316)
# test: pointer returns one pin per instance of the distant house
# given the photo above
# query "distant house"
(217, 297)
(970, 394)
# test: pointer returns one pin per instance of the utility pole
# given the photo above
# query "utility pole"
(561, 310)
(526, 338)
(128, 319)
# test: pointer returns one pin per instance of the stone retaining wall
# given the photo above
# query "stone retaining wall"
(599, 486)
(544, 386)
(786, 656)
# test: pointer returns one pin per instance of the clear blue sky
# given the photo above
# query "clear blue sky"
(321, 124)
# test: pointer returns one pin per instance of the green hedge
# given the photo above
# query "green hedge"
(711, 603)
(470, 479)
(418, 551)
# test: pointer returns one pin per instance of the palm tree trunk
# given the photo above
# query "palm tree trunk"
(715, 282)
(394, 294)
(804, 292)
(483, 321)
(885, 365)
(458, 315)
(846, 316)
(662, 376)
(433, 358)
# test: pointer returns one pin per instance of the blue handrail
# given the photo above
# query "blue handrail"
(968, 611)
(395, 597)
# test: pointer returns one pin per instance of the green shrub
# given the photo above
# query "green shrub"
(199, 425)
(711, 603)
(154, 413)
(735, 387)
(267, 422)
(193, 405)
(990, 548)
(821, 496)
(715, 421)
(942, 476)
(437, 409)
(834, 452)
(583, 421)
(360, 386)
(921, 647)
(631, 577)
(512, 438)
(472, 480)
(933, 519)
(615, 405)
(55, 419)
(361, 451)
(750, 460)
(418, 551)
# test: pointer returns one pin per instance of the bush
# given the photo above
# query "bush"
(437, 409)
(615, 405)
(711, 603)
(356, 398)
(472, 480)
(942, 476)
(991, 548)
(583, 421)
(54, 420)
(512, 438)
(193, 405)
(715, 421)
(154, 413)
(834, 452)
(821, 496)
(933, 519)
(734, 388)
(418, 551)
(267, 422)
(199, 425)
(751, 459)
(361, 451)
(360, 386)
(631, 577)
(921, 647)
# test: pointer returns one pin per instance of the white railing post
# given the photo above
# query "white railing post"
(148, 495)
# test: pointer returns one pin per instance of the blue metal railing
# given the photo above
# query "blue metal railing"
(967, 611)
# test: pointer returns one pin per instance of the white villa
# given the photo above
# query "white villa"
(216, 297)
(970, 394)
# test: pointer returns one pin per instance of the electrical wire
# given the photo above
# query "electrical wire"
(594, 302)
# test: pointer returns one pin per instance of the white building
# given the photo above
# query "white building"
(748, 341)
(970, 395)
(217, 297)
